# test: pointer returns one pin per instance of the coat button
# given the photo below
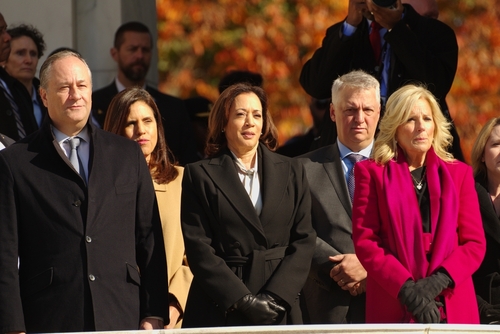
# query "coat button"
(88, 239)
(77, 203)
(91, 277)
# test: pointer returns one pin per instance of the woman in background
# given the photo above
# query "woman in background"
(26, 48)
(486, 165)
(416, 223)
(134, 114)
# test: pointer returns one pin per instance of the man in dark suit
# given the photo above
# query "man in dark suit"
(16, 111)
(89, 244)
(334, 291)
(132, 51)
(409, 48)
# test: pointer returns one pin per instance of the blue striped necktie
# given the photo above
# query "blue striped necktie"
(15, 109)
(354, 158)
(74, 158)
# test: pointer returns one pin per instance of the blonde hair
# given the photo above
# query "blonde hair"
(398, 109)
(477, 153)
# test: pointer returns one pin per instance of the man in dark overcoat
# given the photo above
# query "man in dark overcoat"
(81, 246)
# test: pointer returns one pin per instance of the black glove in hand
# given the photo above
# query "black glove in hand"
(275, 303)
(257, 310)
(433, 285)
(430, 314)
(417, 295)
(488, 313)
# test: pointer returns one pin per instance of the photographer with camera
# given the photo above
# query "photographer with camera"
(394, 43)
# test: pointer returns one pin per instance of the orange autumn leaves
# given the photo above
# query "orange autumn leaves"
(200, 40)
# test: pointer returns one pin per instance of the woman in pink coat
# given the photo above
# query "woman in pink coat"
(416, 222)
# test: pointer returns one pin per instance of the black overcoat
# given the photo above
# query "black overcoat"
(487, 277)
(231, 250)
(85, 252)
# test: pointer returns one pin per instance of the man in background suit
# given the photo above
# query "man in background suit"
(334, 291)
(16, 111)
(132, 52)
(89, 244)
(409, 48)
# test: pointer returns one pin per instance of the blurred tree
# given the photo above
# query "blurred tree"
(474, 97)
(200, 40)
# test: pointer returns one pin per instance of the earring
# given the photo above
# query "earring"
(222, 131)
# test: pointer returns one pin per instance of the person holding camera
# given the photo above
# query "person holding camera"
(394, 43)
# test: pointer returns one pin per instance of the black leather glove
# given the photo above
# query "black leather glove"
(488, 314)
(277, 303)
(417, 295)
(429, 314)
(433, 285)
(258, 310)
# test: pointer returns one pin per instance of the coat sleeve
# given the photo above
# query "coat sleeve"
(321, 215)
(294, 267)
(150, 251)
(381, 265)
(469, 254)
(321, 266)
(427, 50)
(179, 284)
(333, 58)
(11, 311)
(215, 277)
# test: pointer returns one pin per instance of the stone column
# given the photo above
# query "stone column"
(87, 26)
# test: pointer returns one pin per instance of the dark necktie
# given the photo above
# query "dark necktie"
(15, 109)
(376, 41)
(354, 158)
(73, 156)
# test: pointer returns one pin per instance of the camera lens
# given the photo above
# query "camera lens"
(384, 3)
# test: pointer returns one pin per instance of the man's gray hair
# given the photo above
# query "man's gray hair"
(354, 79)
(46, 68)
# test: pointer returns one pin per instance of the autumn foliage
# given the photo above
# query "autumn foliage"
(199, 41)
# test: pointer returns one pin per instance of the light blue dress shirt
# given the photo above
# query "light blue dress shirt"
(347, 165)
(83, 149)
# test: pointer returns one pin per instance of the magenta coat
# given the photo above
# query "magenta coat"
(389, 241)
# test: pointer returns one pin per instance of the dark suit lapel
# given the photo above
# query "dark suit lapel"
(275, 174)
(223, 173)
(491, 222)
(335, 172)
(100, 105)
(6, 141)
(47, 135)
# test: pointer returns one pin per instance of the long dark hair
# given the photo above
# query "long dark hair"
(161, 161)
(218, 118)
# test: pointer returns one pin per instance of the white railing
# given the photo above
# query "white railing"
(327, 329)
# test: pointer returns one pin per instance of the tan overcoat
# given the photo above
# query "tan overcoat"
(169, 204)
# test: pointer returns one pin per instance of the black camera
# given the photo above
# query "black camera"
(385, 3)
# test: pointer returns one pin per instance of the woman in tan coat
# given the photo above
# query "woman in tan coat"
(134, 114)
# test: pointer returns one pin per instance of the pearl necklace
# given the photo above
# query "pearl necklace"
(419, 184)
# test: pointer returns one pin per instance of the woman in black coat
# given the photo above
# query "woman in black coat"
(246, 220)
(486, 164)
